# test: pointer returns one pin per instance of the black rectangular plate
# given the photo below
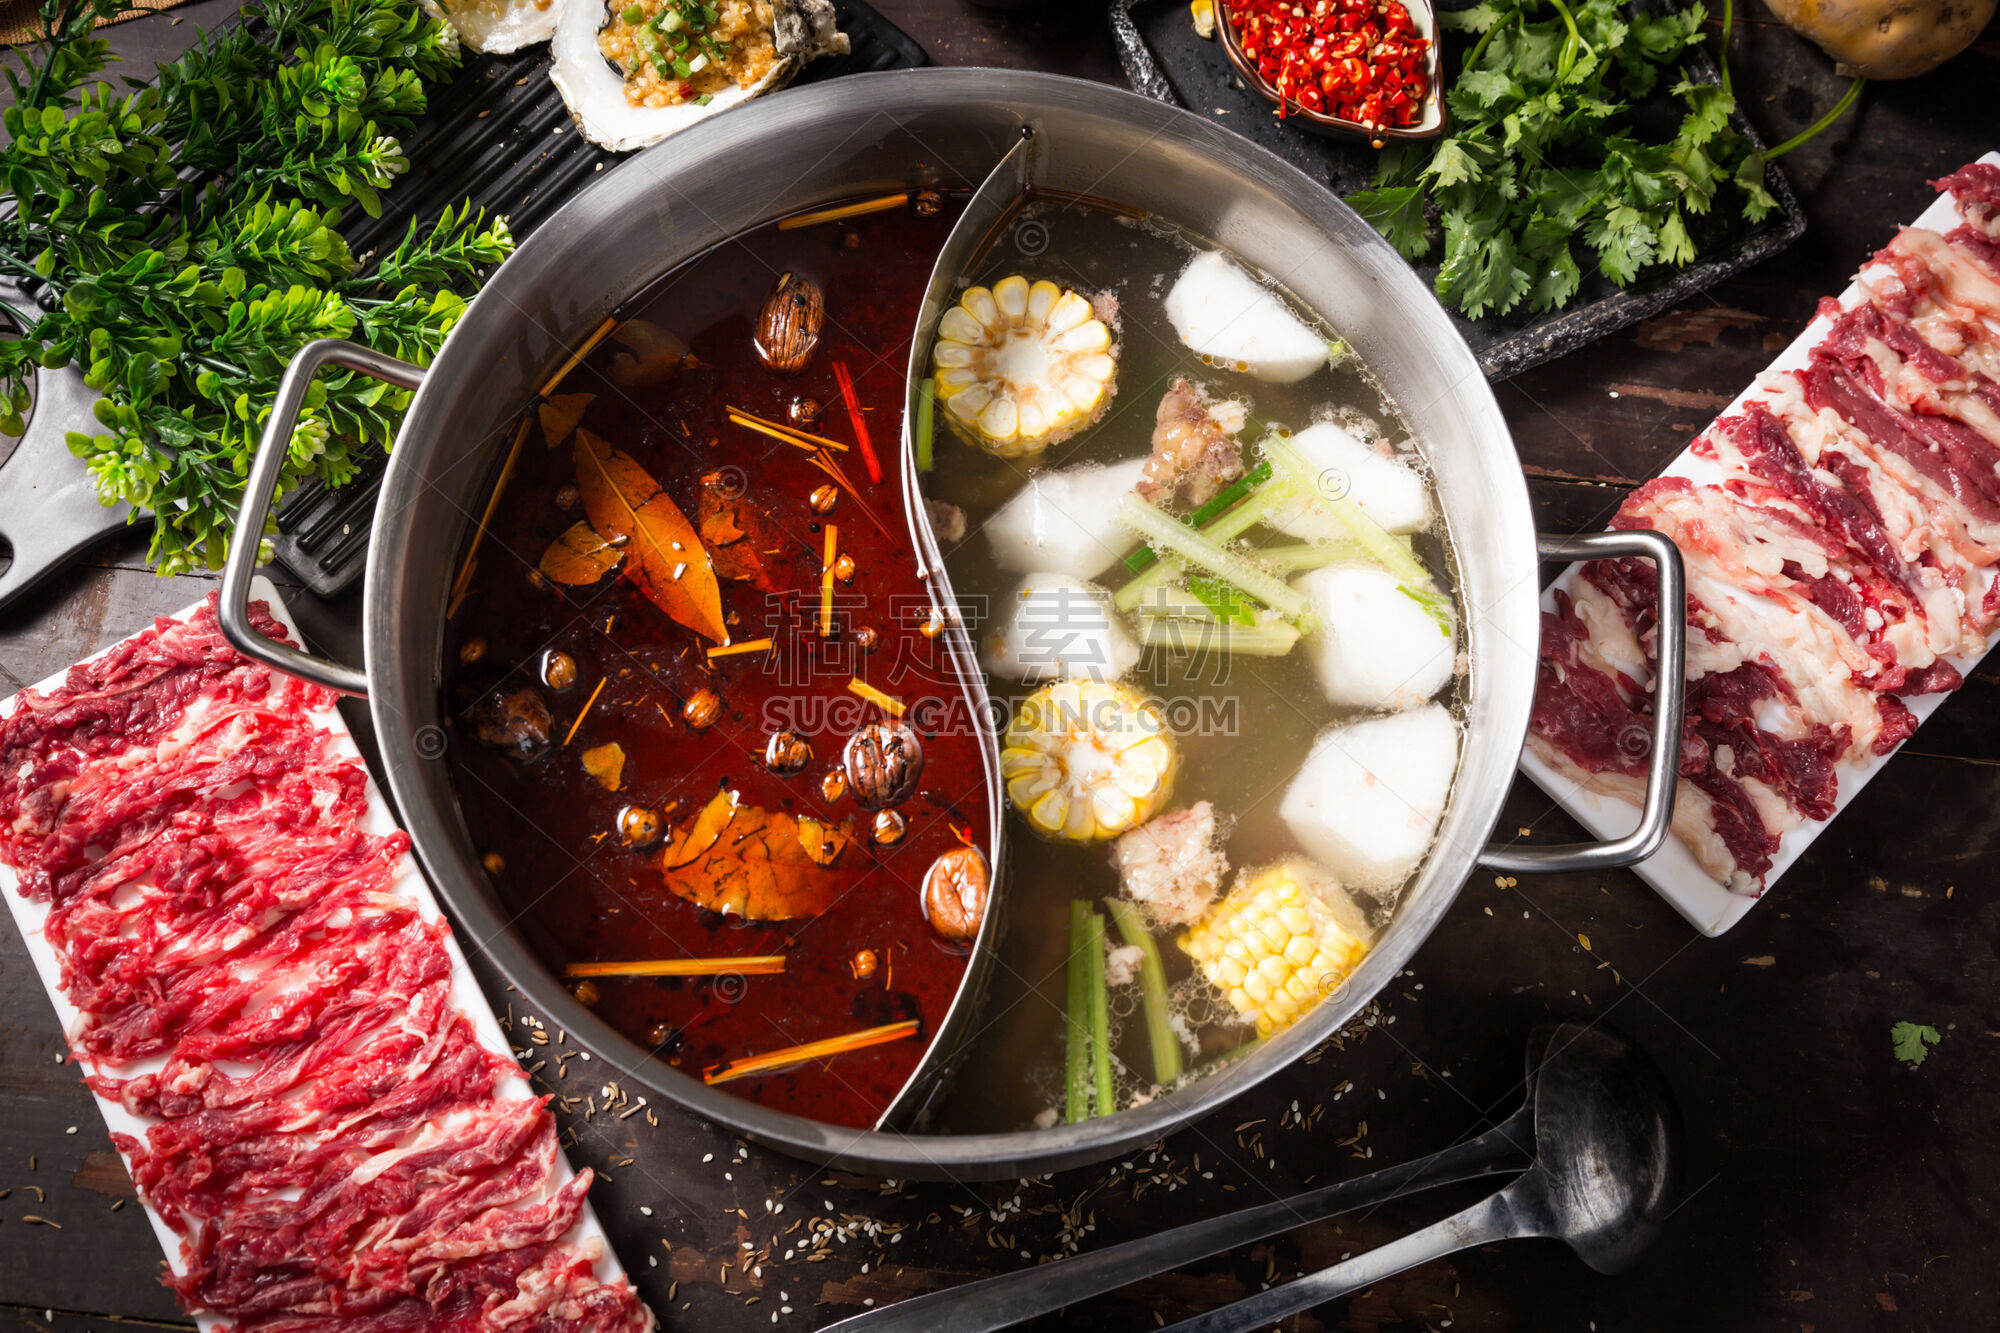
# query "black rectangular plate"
(1167, 61)
(499, 135)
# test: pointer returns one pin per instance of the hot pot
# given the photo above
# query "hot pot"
(879, 133)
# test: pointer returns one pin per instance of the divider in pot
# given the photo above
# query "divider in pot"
(1089, 140)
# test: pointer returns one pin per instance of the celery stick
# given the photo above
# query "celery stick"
(1198, 636)
(1136, 590)
(1152, 988)
(1226, 528)
(1197, 548)
(1393, 556)
(1077, 1055)
(926, 414)
(1290, 558)
(1250, 481)
(1178, 603)
(1399, 558)
(1100, 1012)
(1382, 548)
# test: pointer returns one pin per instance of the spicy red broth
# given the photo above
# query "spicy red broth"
(550, 827)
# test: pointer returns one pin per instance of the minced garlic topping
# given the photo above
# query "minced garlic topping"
(673, 54)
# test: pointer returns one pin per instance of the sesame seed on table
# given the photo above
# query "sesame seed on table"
(1831, 1187)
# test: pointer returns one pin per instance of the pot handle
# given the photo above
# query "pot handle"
(245, 545)
(1663, 762)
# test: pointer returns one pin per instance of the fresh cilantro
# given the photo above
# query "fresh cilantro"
(1398, 214)
(1476, 18)
(1482, 270)
(1545, 150)
(1749, 178)
(1625, 242)
(1676, 246)
(1484, 87)
(1709, 109)
(1662, 37)
(1557, 283)
(1912, 1041)
(1453, 164)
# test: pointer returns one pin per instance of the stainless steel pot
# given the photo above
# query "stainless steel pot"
(881, 132)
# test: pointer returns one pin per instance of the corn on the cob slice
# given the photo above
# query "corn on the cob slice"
(1087, 760)
(1282, 937)
(1020, 367)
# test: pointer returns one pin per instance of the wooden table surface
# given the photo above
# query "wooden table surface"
(1831, 1187)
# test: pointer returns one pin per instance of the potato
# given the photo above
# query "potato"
(1887, 39)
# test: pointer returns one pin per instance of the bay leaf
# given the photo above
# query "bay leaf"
(656, 354)
(698, 837)
(769, 867)
(734, 531)
(823, 840)
(663, 554)
(560, 414)
(579, 557)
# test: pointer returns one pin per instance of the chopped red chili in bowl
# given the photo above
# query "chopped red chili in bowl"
(1364, 62)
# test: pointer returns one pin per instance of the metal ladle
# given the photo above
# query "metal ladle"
(1598, 1132)
(1606, 1176)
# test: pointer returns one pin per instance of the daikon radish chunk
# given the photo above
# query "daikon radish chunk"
(1388, 491)
(1238, 323)
(1065, 521)
(1374, 646)
(1055, 626)
(1367, 800)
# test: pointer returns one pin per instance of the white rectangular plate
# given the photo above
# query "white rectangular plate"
(465, 992)
(1673, 870)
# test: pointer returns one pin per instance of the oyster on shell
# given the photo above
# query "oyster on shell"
(593, 87)
(498, 26)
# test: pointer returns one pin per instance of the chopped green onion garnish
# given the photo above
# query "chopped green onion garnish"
(704, 99)
(634, 14)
